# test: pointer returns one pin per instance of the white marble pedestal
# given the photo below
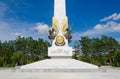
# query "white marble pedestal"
(60, 52)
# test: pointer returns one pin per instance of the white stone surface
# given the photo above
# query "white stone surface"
(59, 10)
(60, 51)
(59, 64)
(112, 73)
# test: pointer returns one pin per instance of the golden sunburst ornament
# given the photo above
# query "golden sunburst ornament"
(59, 40)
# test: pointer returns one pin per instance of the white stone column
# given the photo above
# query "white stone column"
(60, 14)
(59, 10)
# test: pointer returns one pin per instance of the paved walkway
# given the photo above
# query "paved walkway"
(111, 73)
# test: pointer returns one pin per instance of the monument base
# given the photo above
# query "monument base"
(63, 52)
(59, 65)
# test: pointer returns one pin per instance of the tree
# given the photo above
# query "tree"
(18, 58)
(109, 47)
(116, 59)
(85, 45)
(77, 51)
(99, 51)
(7, 50)
(14, 51)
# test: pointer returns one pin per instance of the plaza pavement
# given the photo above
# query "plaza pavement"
(110, 73)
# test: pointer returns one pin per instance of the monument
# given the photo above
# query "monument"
(60, 52)
(60, 33)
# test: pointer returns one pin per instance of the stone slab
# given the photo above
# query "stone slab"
(59, 64)
(57, 51)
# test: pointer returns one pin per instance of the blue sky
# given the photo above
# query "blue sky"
(91, 18)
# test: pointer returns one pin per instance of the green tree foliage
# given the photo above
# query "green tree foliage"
(6, 53)
(116, 59)
(99, 51)
(77, 50)
(18, 58)
(13, 52)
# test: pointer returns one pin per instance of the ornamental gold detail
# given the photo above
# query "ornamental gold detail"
(64, 25)
(60, 31)
(55, 26)
(59, 40)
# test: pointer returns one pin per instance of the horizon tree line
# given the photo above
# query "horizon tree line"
(98, 51)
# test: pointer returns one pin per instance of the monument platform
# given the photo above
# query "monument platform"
(59, 65)
(60, 52)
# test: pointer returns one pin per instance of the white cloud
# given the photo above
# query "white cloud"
(4, 25)
(5, 35)
(109, 27)
(11, 28)
(18, 34)
(98, 26)
(42, 28)
(3, 8)
(115, 16)
(99, 29)
(76, 36)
